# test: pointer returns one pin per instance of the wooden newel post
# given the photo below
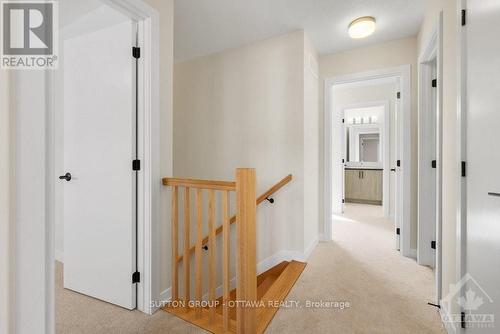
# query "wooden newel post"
(246, 265)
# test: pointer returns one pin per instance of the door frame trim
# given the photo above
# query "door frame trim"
(433, 50)
(148, 209)
(404, 73)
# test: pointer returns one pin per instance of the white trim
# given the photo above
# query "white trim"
(432, 51)
(262, 266)
(404, 73)
(427, 151)
(413, 253)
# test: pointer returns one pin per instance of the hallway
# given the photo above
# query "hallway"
(387, 292)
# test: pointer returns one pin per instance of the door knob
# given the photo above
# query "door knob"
(66, 177)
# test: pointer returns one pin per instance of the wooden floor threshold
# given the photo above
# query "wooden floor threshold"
(277, 293)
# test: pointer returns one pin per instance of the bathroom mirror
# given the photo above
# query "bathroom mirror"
(363, 143)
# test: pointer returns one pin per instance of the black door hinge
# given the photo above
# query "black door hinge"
(136, 164)
(464, 167)
(464, 17)
(343, 120)
(434, 163)
(462, 320)
(136, 277)
(398, 163)
(398, 231)
(136, 52)
(398, 95)
(343, 160)
(343, 200)
(433, 244)
(434, 83)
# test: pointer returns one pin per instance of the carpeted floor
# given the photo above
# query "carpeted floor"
(387, 293)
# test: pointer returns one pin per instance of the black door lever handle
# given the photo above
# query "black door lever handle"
(393, 169)
(66, 177)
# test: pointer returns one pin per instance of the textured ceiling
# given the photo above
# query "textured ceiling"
(203, 27)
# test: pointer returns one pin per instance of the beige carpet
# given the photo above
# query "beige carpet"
(79, 314)
(387, 292)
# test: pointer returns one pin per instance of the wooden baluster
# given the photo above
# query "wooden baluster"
(198, 252)
(225, 259)
(175, 218)
(187, 244)
(246, 273)
(211, 253)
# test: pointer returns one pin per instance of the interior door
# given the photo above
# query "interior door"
(483, 158)
(99, 146)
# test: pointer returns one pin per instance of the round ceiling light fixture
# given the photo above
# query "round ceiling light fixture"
(362, 27)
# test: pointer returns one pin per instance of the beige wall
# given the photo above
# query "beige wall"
(166, 12)
(247, 107)
(450, 165)
(380, 56)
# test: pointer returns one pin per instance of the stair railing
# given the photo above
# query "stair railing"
(246, 262)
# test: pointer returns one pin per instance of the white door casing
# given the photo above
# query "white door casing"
(99, 146)
(332, 196)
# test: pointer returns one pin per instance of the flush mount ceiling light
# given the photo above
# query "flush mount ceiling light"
(362, 27)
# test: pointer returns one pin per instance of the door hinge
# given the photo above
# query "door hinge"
(464, 17)
(136, 164)
(136, 277)
(398, 95)
(398, 163)
(464, 167)
(462, 320)
(433, 244)
(136, 52)
(434, 163)
(343, 120)
(434, 83)
(343, 201)
(398, 231)
(343, 160)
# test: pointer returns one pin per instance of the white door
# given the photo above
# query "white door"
(483, 158)
(99, 146)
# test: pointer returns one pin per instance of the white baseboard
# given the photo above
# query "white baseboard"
(262, 266)
(59, 255)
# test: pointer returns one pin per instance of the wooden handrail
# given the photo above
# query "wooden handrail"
(259, 200)
(200, 184)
